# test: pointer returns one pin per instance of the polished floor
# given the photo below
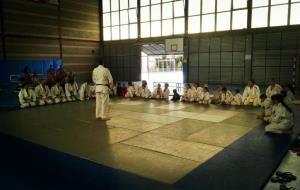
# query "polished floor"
(155, 139)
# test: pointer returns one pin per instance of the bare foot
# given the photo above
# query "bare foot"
(106, 119)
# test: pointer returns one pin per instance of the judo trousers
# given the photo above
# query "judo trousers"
(102, 105)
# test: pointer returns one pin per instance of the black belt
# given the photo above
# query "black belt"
(102, 85)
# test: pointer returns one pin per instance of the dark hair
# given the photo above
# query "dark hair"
(174, 90)
(206, 88)
(252, 81)
(283, 93)
(263, 96)
(279, 98)
(224, 89)
(237, 90)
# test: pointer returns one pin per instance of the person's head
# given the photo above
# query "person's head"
(24, 86)
(166, 85)
(224, 90)
(158, 85)
(174, 91)
(130, 83)
(205, 89)
(144, 83)
(277, 98)
(188, 85)
(219, 88)
(263, 97)
(197, 84)
(272, 82)
(237, 91)
(250, 83)
(289, 87)
(283, 93)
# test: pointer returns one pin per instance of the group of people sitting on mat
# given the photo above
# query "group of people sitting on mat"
(277, 102)
(57, 87)
(61, 87)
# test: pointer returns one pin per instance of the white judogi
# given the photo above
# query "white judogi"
(166, 93)
(290, 95)
(92, 91)
(273, 90)
(237, 100)
(84, 92)
(27, 98)
(266, 105)
(198, 92)
(71, 91)
(204, 98)
(43, 95)
(217, 96)
(130, 92)
(103, 80)
(188, 95)
(145, 92)
(226, 97)
(251, 95)
(58, 94)
(281, 120)
(157, 93)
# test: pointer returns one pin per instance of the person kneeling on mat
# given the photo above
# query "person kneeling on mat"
(281, 119)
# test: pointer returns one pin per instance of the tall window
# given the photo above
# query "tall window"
(162, 17)
(272, 13)
(119, 19)
(216, 15)
(295, 12)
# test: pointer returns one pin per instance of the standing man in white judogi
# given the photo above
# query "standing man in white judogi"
(103, 81)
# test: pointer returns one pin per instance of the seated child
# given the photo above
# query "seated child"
(187, 94)
(226, 96)
(217, 95)
(57, 93)
(71, 89)
(237, 98)
(166, 91)
(157, 93)
(84, 91)
(265, 103)
(176, 96)
(143, 91)
(26, 96)
(281, 119)
(43, 94)
(130, 91)
(205, 96)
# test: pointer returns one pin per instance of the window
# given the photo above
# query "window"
(162, 17)
(295, 12)
(273, 14)
(119, 19)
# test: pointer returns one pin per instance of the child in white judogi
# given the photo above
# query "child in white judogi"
(157, 93)
(290, 92)
(57, 93)
(281, 119)
(273, 89)
(84, 91)
(204, 97)
(217, 95)
(43, 94)
(198, 92)
(251, 94)
(143, 91)
(265, 103)
(27, 97)
(71, 89)
(130, 91)
(166, 91)
(188, 94)
(237, 98)
(226, 96)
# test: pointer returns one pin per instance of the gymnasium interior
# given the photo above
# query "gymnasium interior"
(149, 143)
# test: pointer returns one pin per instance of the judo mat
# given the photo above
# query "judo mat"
(181, 145)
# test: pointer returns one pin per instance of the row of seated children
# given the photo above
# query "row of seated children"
(251, 94)
(133, 90)
(42, 94)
